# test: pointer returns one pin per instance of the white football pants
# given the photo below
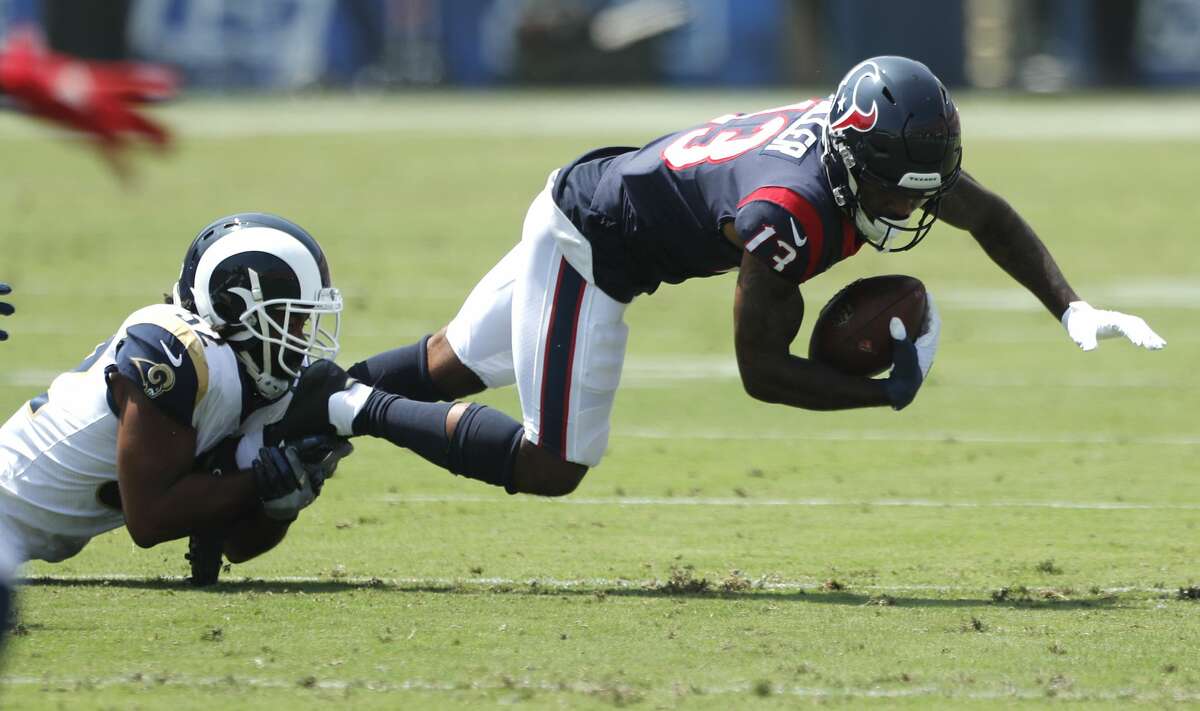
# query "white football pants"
(537, 319)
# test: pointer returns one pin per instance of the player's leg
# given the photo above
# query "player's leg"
(568, 349)
(428, 370)
(568, 346)
(472, 353)
(571, 343)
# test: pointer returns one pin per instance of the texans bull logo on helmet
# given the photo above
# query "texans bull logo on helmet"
(850, 114)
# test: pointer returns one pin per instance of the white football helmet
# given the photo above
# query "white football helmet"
(262, 283)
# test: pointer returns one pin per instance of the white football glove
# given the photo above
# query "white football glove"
(1086, 324)
(927, 342)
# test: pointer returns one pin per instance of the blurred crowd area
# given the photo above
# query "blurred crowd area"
(1033, 45)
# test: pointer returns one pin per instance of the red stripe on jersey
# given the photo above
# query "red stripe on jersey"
(805, 214)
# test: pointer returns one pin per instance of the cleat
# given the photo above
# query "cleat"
(204, 556)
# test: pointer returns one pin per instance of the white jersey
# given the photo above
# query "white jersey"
(60, 448)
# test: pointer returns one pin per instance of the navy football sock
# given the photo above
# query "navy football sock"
(400, 371)
(485, 446)
(418, 426)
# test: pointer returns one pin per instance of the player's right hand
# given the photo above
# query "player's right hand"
(6, 309)
(906, 376)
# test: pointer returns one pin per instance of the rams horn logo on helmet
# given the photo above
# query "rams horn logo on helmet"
(855, 117)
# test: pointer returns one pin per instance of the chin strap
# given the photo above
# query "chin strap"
(267, 385)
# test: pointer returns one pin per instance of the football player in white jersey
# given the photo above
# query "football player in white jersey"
(142, 433)
(8, 559)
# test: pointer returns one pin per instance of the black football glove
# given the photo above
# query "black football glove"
(6, 309)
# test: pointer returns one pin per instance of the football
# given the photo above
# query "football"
(851, 333)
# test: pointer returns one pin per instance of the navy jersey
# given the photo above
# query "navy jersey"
(654, 214)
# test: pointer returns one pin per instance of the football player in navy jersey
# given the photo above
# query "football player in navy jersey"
(780, 194)
(160, 429)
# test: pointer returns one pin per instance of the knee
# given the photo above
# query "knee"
(544, 473)
(449, 375)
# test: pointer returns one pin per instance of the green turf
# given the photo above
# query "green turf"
(1019, 535)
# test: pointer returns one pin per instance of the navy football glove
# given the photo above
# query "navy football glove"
(904, 382)
(6, 309)
(289, 476)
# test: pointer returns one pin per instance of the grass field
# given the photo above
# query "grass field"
(1022, 533)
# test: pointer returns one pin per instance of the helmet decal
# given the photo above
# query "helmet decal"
(854, 116)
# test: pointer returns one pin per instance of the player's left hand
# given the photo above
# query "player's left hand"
(94, 98)
(6, 309)
(289, 476)
(321, 454)
(1085, 324)
(906, 377)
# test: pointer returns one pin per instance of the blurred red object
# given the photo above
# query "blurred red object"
(95, 98)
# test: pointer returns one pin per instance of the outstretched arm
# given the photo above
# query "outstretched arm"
(1011, 243)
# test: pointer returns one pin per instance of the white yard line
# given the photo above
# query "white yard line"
(1168, 439)
(779, 502)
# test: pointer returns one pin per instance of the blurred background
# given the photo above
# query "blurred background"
(1031, 45)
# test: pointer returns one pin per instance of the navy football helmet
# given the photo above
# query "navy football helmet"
(262, 283)
(892, 124)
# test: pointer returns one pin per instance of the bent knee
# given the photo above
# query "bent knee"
(451, 377)
(544, 473)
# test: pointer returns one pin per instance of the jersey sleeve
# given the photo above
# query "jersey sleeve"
(784, 230)
(168, 364)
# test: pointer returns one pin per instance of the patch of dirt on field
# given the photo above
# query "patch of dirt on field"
(684, 580)
(735, 582)
(1048, 567)
(974, 625)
